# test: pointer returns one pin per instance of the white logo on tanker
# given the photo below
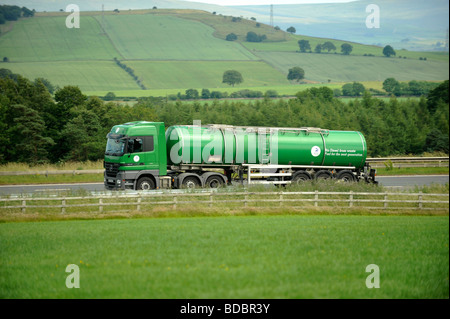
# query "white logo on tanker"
(136, 158)
(315, 151)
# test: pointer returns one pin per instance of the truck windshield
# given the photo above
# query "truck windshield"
(115, 147)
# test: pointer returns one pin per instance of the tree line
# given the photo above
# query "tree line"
(36, 126)
(13, 13)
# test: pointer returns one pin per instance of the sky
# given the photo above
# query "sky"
(264, 2)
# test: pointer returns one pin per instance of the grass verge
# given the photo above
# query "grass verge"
(285, 256)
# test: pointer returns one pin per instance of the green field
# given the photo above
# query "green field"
(285, 256)
(204, 74)
(154, 37)
(87, 75)
(47, 39)
(175, 50)
(291, 45)
(341, 68)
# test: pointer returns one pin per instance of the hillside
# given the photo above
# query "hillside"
(181, 49)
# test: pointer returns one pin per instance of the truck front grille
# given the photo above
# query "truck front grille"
(111, 169)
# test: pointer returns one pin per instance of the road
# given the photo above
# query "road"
(389, 181)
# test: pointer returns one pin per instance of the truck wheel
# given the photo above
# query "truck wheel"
(323, 174)
(145, 183)
(301, 177)
(214, 182)
(346, 176)
(190, 182)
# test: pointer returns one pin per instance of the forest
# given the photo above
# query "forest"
(37, 126)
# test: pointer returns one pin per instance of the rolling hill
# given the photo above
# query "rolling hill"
(175, 49)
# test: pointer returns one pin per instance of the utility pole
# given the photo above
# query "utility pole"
(271, 15)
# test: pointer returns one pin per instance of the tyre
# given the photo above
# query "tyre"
(145, 183)
(323, 174)
(301, 177)
(190, 182)
(214, 182)
(346, 176)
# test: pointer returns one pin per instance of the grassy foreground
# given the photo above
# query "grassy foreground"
(228, 257)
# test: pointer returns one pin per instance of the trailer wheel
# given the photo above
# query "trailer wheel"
(323, 174)
(346, 176)
(214, 182)
(190, 182)
(145, 183)
(301, 177)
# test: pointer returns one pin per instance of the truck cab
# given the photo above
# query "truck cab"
(135, 156)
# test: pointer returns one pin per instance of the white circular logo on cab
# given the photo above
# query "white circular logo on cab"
(136, 158)
(315, 151)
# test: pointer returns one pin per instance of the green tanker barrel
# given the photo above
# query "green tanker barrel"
(221, 144)
(345, 148)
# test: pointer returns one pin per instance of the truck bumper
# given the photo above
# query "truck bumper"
(115, 183)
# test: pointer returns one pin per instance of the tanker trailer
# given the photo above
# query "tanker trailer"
(140, 155)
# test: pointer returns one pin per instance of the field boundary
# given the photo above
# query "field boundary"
(144, 201)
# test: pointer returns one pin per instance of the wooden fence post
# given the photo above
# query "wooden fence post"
(316, 198)
(175, 202)
(100, 205)
(24, 205)
(139, 203)
(281, 199)
(350, 203)
(420, 200)
(63, 204)
(385, 200)
(210, 200)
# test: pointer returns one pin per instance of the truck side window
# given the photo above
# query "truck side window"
(135, 145)
(149, 145)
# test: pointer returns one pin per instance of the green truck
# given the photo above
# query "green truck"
(144, 155)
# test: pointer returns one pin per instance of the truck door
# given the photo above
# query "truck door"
(142, 152)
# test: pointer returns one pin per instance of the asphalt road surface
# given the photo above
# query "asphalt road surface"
(389, 181)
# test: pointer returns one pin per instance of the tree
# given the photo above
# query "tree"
(27, 12)
(291, 30)
(358, 88)
(440, 93)
(329, 46)
(231, 37)
(304, 45)
(347, 89)
(296, 73)
(191, 94)
(353, 89)
(232, 77)
(318, 48)
(346, 48)
(253, 37)
(109, 96)
(28, 141)
(388, 51)
(206, 94)
(391, 85)
(82, 132)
